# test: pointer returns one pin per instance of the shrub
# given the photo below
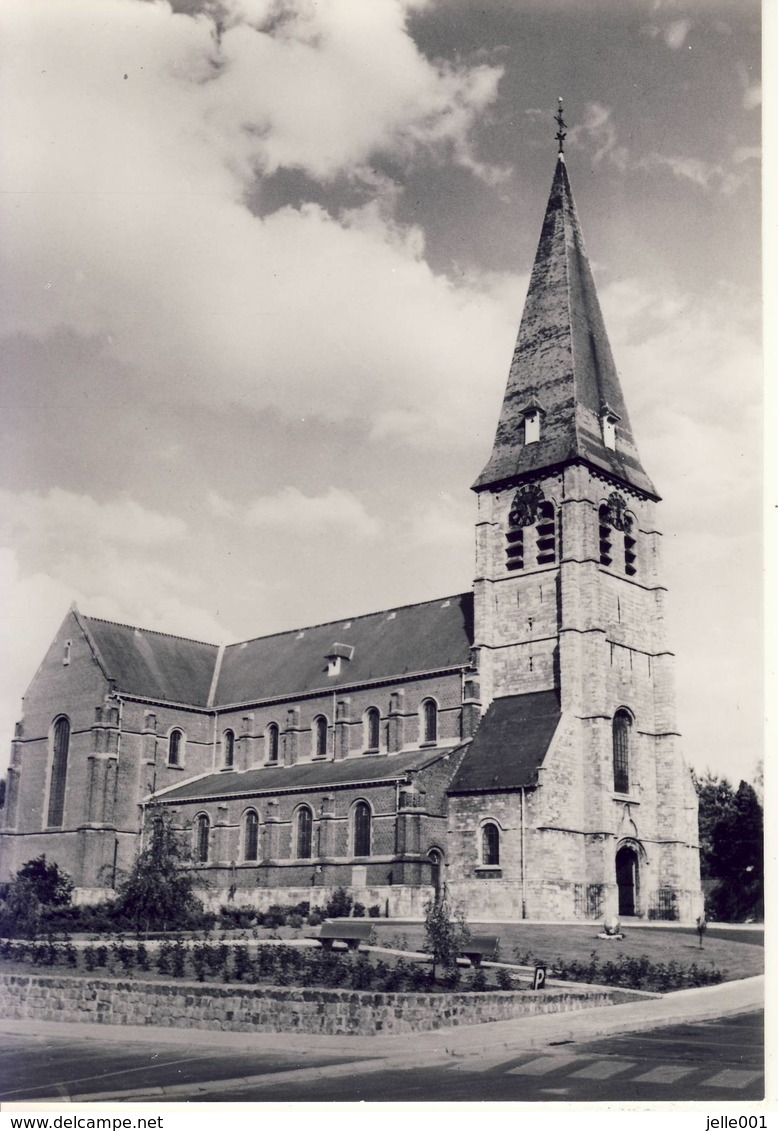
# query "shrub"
(477, 980)
(236, 918)
(315, 917)
(504, 979)
(242, 963)
(451, 978)
(362, 973)
(358, 911)
(339, 905)
(275, 916)
(295, 921)
(374, 911)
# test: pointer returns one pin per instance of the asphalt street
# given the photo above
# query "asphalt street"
(717, 1060)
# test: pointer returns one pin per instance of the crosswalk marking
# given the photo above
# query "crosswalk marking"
(731, 1078)
(544, 1064)
(603, 1069)
(663, 1074)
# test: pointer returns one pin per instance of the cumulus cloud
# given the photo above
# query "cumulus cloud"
(292, 511)
(145, 242)
(673, 33)
(66, 519)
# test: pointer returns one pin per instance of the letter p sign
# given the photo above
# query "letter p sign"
(539, 981)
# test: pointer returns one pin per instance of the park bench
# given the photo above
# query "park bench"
(479, 947)
(350, 931)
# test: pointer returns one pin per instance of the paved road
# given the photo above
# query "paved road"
(712, 1061)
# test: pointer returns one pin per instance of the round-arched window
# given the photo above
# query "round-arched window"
(228, 749)
(304, 833)
(372, 728)
(429, 720)
(60, 747)
(363, 819)
(251, 835)
(490, 845)
(202, 835)
(622, 724)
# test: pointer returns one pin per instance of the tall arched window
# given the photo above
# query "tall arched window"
(320, 737)
(272, 742)
(363, 818)
(228, 749)
(304, 833)
(546, 533)
(251, 835)
(622, 722)
(372, 728)
(429, 721)
(202, 833)
(59, 771)
(490, 845)
(175, 748)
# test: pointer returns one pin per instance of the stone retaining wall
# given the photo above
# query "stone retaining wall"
(269, 1009)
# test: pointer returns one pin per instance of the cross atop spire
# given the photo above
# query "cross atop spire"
(561, 132)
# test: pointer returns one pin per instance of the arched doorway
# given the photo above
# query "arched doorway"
(627, 879)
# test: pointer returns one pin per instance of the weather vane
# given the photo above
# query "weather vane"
(561, 133)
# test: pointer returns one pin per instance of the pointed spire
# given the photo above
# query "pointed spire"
(562, 364)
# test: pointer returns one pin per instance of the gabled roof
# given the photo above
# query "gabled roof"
(431, 636)
(510, 744)
(386, 645)
(563, 359)
(154, 664)
(272, 780)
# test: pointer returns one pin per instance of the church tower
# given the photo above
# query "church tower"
(573, 800)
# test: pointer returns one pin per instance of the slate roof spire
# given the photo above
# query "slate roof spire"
(562, 365)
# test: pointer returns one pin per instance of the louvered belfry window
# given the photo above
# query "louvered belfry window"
(546, 534)
(622, 722)
(59, 772)
(606, 536)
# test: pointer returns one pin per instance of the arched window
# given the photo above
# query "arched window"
(60, 741)
(320, 737)
(372, 728)
(490, 845)
(202, 832)
(622, 722)
(546, 534)
(228, 749)
(304, 833)
(429, 721)
(272, 742)
(363, 819)
(175, 748)
(250, 835)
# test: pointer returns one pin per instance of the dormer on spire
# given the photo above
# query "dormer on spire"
(563, 360)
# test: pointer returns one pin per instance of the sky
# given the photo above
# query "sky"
(264, 266)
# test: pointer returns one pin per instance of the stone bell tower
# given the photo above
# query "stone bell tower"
(576, 761)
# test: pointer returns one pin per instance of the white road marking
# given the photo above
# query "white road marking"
(731, 1078)
(546, 1064)
(664, 1074)
(603, 1069)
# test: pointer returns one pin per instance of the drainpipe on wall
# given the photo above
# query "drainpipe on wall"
(523, 868)
(214, 756)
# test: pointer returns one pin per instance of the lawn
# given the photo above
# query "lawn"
(527, 943)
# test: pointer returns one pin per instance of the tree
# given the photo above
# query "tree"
(731, 848)
(158, 891)
(445, 932)
(36, 887)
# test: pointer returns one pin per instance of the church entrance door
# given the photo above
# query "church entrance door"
(627, 879)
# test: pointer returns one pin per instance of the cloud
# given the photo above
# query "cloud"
(64, 519)
(752, 91)
(128, 223)
(598, 131)
(673, 34)
(292, 511)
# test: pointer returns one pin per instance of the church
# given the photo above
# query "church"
(516, 743)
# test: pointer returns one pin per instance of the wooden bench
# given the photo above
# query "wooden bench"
(479, 947)
(350, 931)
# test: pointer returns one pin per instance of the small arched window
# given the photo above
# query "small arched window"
(251, 835)
(272, 742)
(304, 833)
(622, 723)
(202, 834)
(429, 721)
(60, 743)
(372, 728)
(228, 749)
(363, 819)
(320, 737)
(490, 845)
(546, 529)
(175, 748)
